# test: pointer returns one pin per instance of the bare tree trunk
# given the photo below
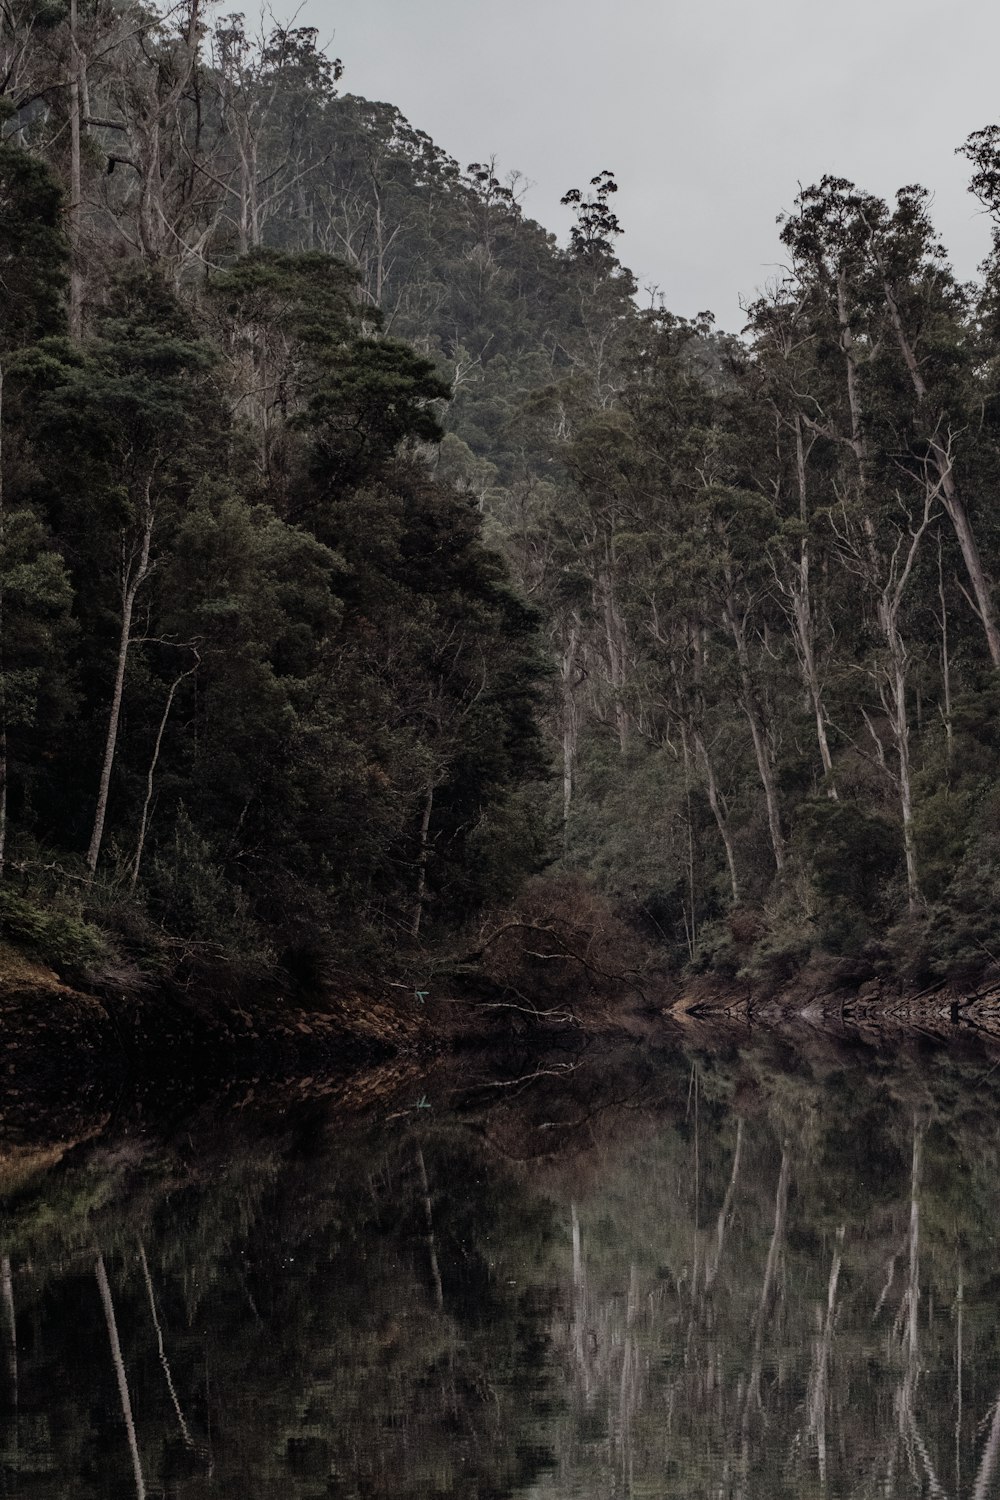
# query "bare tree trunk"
(766, 771)
(569, 717)
(616, 656)
(119, 1364)
(3, 650)
(906, 1394)
(851, 366)
(721, 821)
(945, 663)
(887, 576)
(690, 920)
(821, 1361)
(959, 1311)
(425, 827)
(144, 821)
(164, 1362)
(134, 572)
(983, 1488)
(579, 1303)
(75, 184)
(431, 1240)
(803, 617)
(725, 1213)
(940, 452)
(758, 734)
(902, 731)
(627, 1384)
(10, 1315)
(767, 1288)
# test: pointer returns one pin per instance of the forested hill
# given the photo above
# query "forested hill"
(364, 550)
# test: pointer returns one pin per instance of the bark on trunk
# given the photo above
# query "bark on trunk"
(120, 1375)
(758, 734)
(164, 1362)
(987, 1465)
(579, 1328)
(721, 821)
(133, 575)
(725, 1213)
(3, 651)
(569, 718)
(851, 366)
(802, 609)
(75, 187)
(144, 821)
(425, 828)
(616, 656)
(902, 731)
(982, 586)
(767, 1289)
(431, 1240)
(817, 1401)
(10, 1315)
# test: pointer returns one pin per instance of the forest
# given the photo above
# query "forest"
(369, 560)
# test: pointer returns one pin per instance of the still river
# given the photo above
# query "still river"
(761, 1267)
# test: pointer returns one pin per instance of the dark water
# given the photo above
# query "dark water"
(762, 1270)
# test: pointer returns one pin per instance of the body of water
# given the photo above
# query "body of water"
(761, 1269)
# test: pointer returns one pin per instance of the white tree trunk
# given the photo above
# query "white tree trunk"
(75, 183)
(982, 587)
(120, 1376)
(616, 655)
(425, 827)
(164, 1362)
(567, 673)
(144, 821)
(10, 1314)
(718, 813)
(758, 734)
(802, 614)
(3, 652)
(134, 573)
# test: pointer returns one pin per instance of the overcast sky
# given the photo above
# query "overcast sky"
(709, 111)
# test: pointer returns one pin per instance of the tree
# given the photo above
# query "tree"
(34, 590)
(113, 416)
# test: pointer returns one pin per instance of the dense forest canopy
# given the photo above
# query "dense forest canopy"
(365, 550)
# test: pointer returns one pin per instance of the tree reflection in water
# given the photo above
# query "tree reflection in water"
(764, 1270)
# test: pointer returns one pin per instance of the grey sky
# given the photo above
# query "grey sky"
(710, 113)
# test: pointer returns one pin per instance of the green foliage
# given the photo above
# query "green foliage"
(963, 931)
(53, 932)
(33, 249)
(367, 404)
(189, 893)
(327, 376)
(852, 857)
(211, 500)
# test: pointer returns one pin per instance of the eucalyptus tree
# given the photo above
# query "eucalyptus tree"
(271, 92)
(35, 594)
(783, 440)
(111, 418)
(889, 312)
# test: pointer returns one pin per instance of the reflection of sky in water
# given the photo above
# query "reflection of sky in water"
(764, 1274)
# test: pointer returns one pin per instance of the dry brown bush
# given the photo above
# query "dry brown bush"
(559, 947)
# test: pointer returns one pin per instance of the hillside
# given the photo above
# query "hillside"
(366, 552)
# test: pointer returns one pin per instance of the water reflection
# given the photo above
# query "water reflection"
(763, 1271)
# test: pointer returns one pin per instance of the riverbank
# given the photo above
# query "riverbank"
(55, 1034)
